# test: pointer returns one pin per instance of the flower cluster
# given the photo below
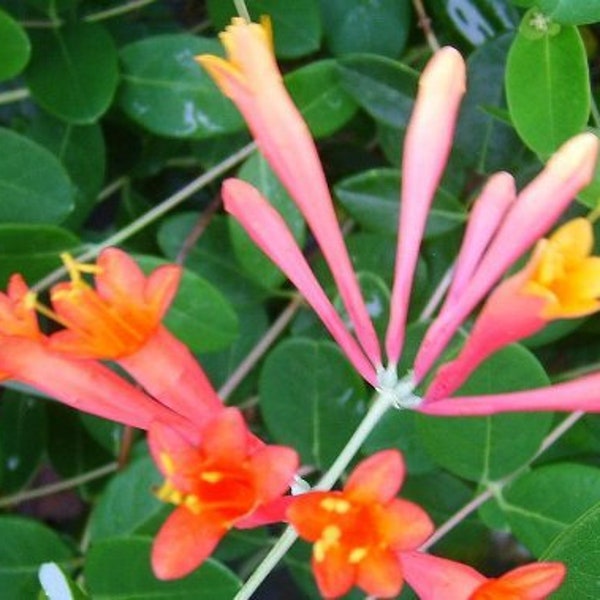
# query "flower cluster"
(561, 280)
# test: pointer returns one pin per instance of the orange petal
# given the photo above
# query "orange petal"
(120, 277)
(380, 574)
(335, 575)
(376, 479)
(273, 468)
(307, 515)
(184, 542)
(403, 525)
(225, 437)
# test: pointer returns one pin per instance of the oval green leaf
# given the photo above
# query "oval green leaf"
(373, 199)
(73, 72)
(33, 250)
(547, 85)
(384, 88)
(568, 12)
(356, 26)
(316, 91)
(484, 449)
(119, 569)
(15, 48)
(543, 503)
(31, 544)
(34, 187)
(577, 548)
(311, 399)
(200, 316)
(167, 92)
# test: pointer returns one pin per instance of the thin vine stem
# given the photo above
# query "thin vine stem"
(14, 95)
(61, 486)
(117, 10)
(153, 214)
(425, 25)
(381, 404)
(497, 486)
(242, 10)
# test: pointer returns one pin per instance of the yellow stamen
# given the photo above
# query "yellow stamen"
(167, 493)
(336, 505)
(76, 268)
(211, 476)
(357, 555)
(330, 536)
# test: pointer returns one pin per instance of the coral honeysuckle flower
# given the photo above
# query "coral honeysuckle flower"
(87, 385)
(120, 319)
(435, 578)
(561, 280)
(360, 532)
(250, 77)
(223, 481)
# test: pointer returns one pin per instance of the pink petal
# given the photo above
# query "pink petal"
(434, 578)
(169, 372)
(270, 233)
(488, 211)
(184, 541)
(377, 478)
(426, 149)
(580, 394)
(508, 316)
(530, 582)
(120, 276)
(225, 437)
(535, 210)
(171, 451)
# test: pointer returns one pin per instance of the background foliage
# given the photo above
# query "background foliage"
(111, 134)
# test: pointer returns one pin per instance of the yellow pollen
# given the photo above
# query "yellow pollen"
(336, 505)
(75, 268)
(211, 476)
(167, 463)
(192, 503)
(357, 555)
(330, 536)
(167, 493)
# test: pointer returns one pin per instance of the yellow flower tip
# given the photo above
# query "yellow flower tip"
(576, 158)
(30, 302)
(445, 74)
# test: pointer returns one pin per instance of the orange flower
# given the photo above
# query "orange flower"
(435, 578)
(87, 385)
(121, 320)
(359, 533)
(224, 481)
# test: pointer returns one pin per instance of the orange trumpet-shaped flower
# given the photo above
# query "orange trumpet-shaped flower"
(224, 481)
(120, 319)
(85, 384)
(435, 578)
(561, 280)
(359, 533)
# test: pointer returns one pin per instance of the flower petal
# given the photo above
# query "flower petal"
(377, 478)
(380, 574)
(335, 574)
(403, 524)
(270, 233)
(273, 468)
(184, 541)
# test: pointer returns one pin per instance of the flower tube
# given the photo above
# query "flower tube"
(250, 77)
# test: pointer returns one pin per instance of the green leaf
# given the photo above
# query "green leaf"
(373, 199)
(543, 503)
(316, 91)
(15, 48)
(73, 72)
(31, 544)
(311, 398)
(547, 84)
(200, 316)
(568, 12)
(296, 25)
(81, 150)
(485, 142)
(384, 88)
(577, 548)
(127, 503)
(33, 250)
(119, 569)
(212, 257)
(57, 585)
(258, 267)
(22, 437)
(353, 26)
(34, 186)
(167, 92)
(484, 449)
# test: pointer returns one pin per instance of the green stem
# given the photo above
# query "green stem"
(595, 111)
(14, 95)
(117, 10)
(242, 10)
(153, 214)
(61, 486)
(380, 406)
